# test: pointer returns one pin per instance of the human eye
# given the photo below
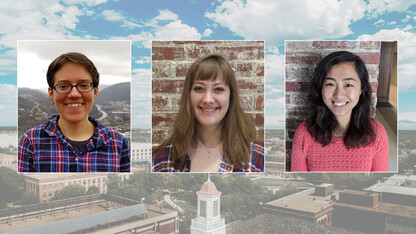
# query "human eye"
(329, 84)
(198, 88)
(84, 85)
(349, 85)
(219, 89)
(63, 86)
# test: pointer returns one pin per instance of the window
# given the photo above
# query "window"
(203, 209)
(44, 194)
(44, 187)
(215, 208)
(50, 186)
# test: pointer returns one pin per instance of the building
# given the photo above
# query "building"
(8, 139)
(367, 211)
(141, 152)
(45, 185)
(8, 160)
(397, 189)
(208, 217)
(314, 204)
(90, 214)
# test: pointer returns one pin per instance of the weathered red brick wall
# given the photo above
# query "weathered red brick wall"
(301, 60)
(170, 62)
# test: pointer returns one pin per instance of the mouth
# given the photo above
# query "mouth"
(209, 110)
(74, 105)
(339, 104)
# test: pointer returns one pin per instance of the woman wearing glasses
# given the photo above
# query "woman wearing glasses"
(72, 141)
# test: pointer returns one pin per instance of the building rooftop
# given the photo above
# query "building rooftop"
(394, 184)
(304, 201)
(387, 208)
(209, 188)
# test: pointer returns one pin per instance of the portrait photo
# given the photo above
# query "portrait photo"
(208, 106)
(341, 106)
(74, 106)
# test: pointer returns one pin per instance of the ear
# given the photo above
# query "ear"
(95, 92)
(50, 92)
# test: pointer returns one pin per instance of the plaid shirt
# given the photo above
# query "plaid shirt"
(45, 149)
(162, 161)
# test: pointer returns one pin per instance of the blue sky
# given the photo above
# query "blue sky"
(269, 20)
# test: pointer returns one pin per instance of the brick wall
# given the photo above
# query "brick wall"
(170, 62)
(301, 60)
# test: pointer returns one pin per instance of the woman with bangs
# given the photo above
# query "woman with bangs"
(211, 132)
(339, 135)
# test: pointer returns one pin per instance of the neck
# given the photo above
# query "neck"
(77, 131)
(209, 137)
(343, 124)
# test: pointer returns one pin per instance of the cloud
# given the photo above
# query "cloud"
(8, 107)
(143, 60)
(141, 98)
(207, 32)
(286, 20)
(31, 20)
(116, 16)
(84, 2)
(112, 15)
(385, 6)
(177, 31)
(406, 54)
(165, 26)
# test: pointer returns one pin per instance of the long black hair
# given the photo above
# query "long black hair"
(322, 122)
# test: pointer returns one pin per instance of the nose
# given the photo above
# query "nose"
(74, 93)
(339, 92)
(208, 98)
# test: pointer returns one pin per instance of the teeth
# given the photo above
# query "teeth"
(208, 110)
(74, 105)
(339, 103)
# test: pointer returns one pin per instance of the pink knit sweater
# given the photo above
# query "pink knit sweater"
(310, 155)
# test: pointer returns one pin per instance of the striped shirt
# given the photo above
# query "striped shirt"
(162, 161)
(45, 149)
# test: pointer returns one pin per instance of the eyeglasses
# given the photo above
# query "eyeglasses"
(83, 87)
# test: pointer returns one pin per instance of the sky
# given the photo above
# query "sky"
(270, 20)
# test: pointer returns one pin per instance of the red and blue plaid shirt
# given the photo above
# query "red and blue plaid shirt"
(45, 149)
(162, 161)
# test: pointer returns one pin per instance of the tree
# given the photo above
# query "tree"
(29, 198)
(93, 190)
(70, 191)
(12, 185)
(113, 183)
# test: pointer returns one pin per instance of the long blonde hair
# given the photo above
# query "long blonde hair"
(238, 129)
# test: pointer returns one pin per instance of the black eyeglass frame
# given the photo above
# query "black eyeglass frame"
(76, 86)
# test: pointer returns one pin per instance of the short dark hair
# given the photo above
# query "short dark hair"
(72, 57)
(322, 122)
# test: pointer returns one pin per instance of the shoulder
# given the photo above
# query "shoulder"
(35, 132)
(257, 157)
(302, 128)
(162, 160)
(379, 130)
(109, 132)
(377, 126)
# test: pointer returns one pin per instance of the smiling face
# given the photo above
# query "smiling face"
(74, 106)
(341, 90)
(210, 100)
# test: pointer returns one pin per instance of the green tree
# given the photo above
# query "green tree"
(29, 198)
(92, 190)
(113, 183)
(70, 191)
(11, 184)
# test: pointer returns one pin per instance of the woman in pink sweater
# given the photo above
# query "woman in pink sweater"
(339, 135)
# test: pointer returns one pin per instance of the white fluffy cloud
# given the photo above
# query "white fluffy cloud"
(406, 54)
(141, 98)
(165, 26)
(278, 20)
(30, 19)
(384, 6)
(8, 108)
